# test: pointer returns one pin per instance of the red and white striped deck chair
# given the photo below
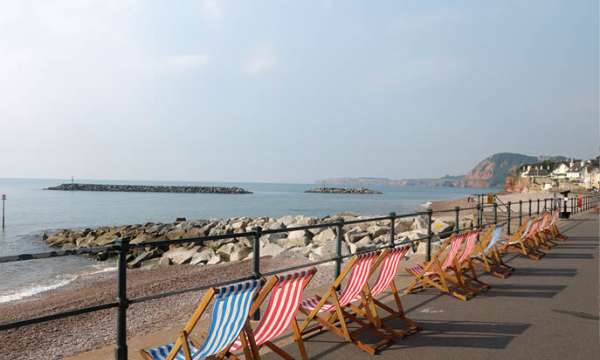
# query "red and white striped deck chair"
(530, 239)
(522, 240)
(386, 281)
(464, 270)
(435, 274)
(286, 293)
(543, 237)
(334, 315)
(553, 228)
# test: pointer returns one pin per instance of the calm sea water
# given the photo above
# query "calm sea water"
(30, 211)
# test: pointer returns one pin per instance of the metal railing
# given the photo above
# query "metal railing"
(122, 246)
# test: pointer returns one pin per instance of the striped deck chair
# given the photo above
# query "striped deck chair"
(385, 281)
(286, 292)
(532, 239)
(464, 271)
(543, 237)
(229, 319)
(520, 241)
(488, 255)
(334, 315)
(553, 228)
(435, 273)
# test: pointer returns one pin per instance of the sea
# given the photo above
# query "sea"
(30, 210)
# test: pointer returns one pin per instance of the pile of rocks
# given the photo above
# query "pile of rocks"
(313, 244)
(151, 188)
(336, 190)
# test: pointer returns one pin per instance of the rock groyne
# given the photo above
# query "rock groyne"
(151, 188)
(337, 190)
(314, 244)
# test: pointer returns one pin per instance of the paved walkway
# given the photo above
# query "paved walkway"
(548, 309)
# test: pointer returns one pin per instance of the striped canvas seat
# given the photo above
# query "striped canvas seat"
(455, 244)
(230, 312)
(281, 310)
(470, 241)
(161, 352)
(358, 279)
(389, 269)
(496, 235)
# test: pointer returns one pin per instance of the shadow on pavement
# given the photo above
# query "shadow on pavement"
(533, 291)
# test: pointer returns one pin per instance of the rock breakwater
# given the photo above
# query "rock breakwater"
(151, 188)
(313, 244)
(337, 190)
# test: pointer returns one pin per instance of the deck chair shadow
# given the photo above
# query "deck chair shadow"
(229, 320)
(334, 311)
(286, 293)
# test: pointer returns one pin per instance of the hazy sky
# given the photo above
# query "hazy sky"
(292, 91)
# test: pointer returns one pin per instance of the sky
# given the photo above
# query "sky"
(292, 91)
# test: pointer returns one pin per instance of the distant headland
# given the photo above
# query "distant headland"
(337, 190)
(151, 188)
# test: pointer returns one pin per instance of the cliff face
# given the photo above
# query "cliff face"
(492, 171)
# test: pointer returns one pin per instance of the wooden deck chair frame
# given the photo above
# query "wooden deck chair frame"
(464, 269)
(260, 299)
(543, 237)
(488, 255)
(518, 243)
(435, 273)
(338, 319)
(553, 228)
(385, 281)
(183, 340)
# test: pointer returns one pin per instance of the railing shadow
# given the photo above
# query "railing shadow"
(551, 272)
(578, 256)
(524, 291)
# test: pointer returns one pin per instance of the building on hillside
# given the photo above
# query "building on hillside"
(584, 173)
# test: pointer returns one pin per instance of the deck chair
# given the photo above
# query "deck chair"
(385, 281)
(553, 228)
(532, 239)
(286, 293)
(229, 320)
(463, 268)
(435, 273)
(335, 315)
(520, 241)
(543, 237)
(487, 253)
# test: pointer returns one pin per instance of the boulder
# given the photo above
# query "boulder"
(377, 230)
(439, 226)
(296, 238)
(355, 235)
(271, 249)
(233, 252)
(420, 223)
(142, 238)
(402, 225)
(179, 255)
(327, 236)
(203, 256)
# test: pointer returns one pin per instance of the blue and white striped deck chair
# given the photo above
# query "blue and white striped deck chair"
(229, 318)
(489, 255)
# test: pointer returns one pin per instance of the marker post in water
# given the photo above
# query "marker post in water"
(3, 201)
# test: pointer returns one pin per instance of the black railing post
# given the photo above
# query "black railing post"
(529, 207)
(520, 212)
(538, 206)
(392, 228)
(256, 260)
(123, 303)
(495, 213)
(429, 232)
(338, 248)
(478, 208)
(456, 219)
(509, 207)
(545, 205)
